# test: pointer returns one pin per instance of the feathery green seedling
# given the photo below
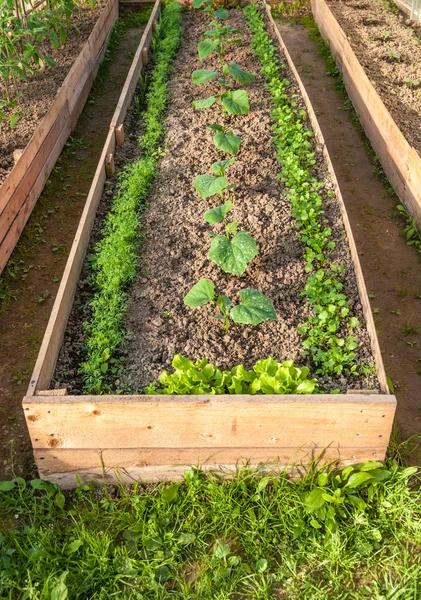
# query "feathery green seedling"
(254, 307)
(233, 102)
(233, 251)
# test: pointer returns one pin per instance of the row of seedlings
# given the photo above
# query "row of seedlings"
(234, 250)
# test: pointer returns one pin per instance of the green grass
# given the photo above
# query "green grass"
(115, 260)
(209, 538)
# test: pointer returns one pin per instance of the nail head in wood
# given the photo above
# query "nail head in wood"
(110, 165)
(119, 135)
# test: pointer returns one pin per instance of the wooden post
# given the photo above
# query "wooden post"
(145, 56)
(17, 154)
(119, 135)
(110, 166)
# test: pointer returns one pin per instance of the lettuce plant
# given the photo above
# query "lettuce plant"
(233, 251)
(234, 102)
(254, 307)
(201, 377)
(225, 140)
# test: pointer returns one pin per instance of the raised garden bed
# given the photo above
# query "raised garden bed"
(156, 436)
(40, 135)
(376, 53)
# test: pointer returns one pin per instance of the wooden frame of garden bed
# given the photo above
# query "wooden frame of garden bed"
(25, 182)
(400, 161)
(156, 438)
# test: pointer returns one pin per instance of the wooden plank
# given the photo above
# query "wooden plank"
(375, 347)
(401, 162)
(132, 79)
(153, 465)
(48, 354)
(86, 422)
(22, 187)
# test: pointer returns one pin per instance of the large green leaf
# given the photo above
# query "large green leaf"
(205, 48)
(227, 142)
(201, 293)
(221, 13)
(197, 3)
(217, 214)
(233, 255)
(204, 102)
(208, 185)
(218, 168)
(203, 75)
(236, 102)
(255, 308)
(240, 75)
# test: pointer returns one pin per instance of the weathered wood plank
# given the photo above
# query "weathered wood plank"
(401, 162)
(351, 242)
(152, 465)
(209, 421)
(22, 187)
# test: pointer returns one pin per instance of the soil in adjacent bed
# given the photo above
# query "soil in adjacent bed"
(373, 31)
(173, 255)
(35, 268)
(36, 95)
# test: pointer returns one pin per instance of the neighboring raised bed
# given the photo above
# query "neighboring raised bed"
(156, 437)
(401, 161)
(24, 184)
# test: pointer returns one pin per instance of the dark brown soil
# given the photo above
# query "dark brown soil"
(174, 256)
(392, 270)
(35, 96)
(40, 257)
(366, 22)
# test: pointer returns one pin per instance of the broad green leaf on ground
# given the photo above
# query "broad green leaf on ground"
(198, 3)
(227, 142)
(208, 185)
(203, 75)
(240, 75)
(221, 13)
(255, 308)
(215, 127)
(236, 102)
(233, 256)
(218, 168)
(201, 293)
(204, 102)
(205, 48)
(217, 214)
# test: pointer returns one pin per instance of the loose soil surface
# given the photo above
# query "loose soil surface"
(35, 96)
(174, 254)
(392, 270)
(373, 31)
(35, 268)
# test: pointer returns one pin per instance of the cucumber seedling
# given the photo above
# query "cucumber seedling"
(233, 251)
(206, 7)
(225, 140)
(208, 185)
(254, 307)
(234, 102)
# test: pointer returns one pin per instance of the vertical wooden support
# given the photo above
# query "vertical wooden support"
(119, 135)
(145, 56)
(110, 166)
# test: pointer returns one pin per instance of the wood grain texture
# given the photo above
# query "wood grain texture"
(48, 354)
(209, 421)
(368, 315)
(153, 465)
(22, 188)
(400, 161)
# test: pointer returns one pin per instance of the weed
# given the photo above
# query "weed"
(216, 538)
(408, 329)
(393, 56)
(412, 83)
